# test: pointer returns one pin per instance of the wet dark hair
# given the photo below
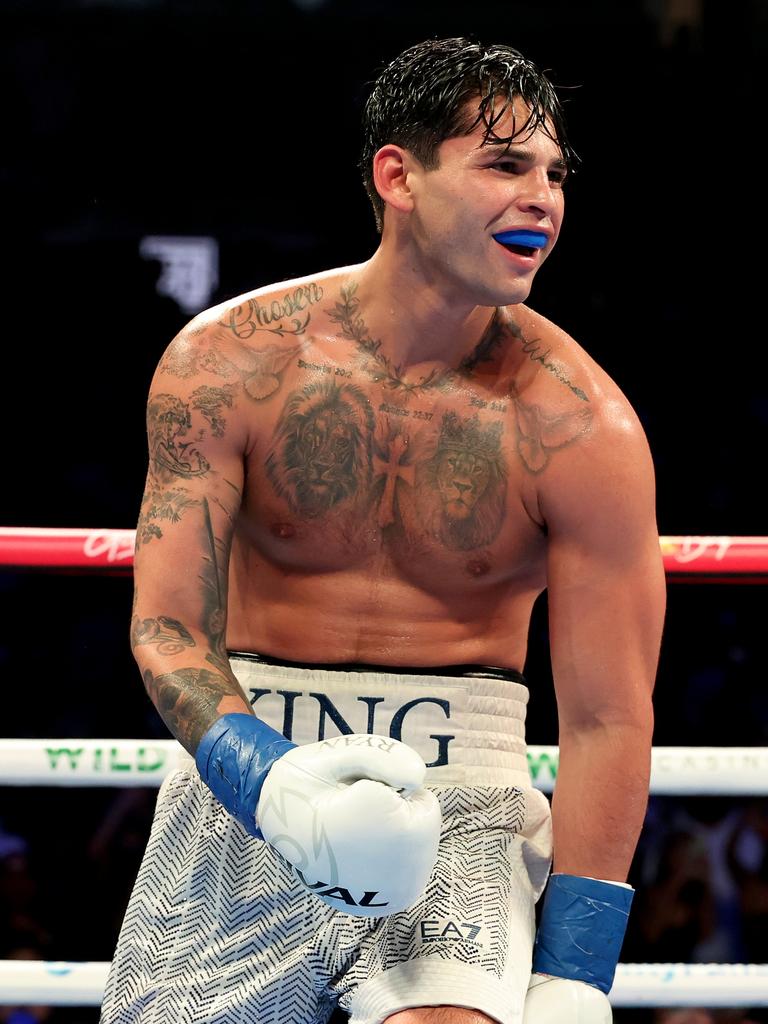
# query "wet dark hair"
(423, 98)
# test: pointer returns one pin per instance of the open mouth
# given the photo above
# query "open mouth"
(521, 242)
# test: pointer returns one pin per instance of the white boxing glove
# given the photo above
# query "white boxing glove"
(557, 1000)
(352, 817)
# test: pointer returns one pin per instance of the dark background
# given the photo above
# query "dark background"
(239, 120)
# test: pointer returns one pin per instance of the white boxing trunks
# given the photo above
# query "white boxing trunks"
(219, 931)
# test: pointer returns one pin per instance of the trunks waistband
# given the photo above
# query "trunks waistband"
(478, 671)
(466, 721)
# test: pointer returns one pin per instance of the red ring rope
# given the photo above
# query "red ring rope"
(44, 548)
(741, 559)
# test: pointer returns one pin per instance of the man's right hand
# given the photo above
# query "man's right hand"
(350, 813)
(352, 817)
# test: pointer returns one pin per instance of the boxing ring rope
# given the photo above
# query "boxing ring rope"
(58, 983)
(700, 559)
(106, 762)
(688, 771)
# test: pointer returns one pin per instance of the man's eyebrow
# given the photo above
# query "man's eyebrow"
(521, 153)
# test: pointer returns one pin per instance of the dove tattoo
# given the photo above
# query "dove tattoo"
(260, 369)
(539, 434)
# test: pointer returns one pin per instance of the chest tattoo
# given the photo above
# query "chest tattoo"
(320, 456)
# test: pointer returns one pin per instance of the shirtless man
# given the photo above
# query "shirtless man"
(359, 483)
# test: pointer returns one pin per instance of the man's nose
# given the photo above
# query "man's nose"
(537, 193)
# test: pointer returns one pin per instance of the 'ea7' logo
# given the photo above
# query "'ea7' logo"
(442, 930)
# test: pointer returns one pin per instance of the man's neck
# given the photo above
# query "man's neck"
(415, 321)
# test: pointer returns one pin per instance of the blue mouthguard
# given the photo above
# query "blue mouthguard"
(533, 239)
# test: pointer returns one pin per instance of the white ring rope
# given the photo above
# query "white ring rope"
(711, 771)
(715, 985)
(52, 983)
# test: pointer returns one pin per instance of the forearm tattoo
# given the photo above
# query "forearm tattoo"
(169, 635)
(213, 579)
(188, 700)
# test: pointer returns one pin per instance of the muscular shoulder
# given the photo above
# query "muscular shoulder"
(576, 428)
(559, 366)
(564, 376)
(245, 343)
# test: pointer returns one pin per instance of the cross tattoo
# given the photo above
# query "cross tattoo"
(393, 470)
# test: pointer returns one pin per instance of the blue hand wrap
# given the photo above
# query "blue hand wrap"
(581, 930)
(233, 759)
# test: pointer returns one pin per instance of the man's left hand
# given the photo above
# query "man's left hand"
(557, 1000)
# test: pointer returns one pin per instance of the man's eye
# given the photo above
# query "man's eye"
(556, 177)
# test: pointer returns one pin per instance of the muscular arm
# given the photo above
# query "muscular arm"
(183, 538)
(606, 595)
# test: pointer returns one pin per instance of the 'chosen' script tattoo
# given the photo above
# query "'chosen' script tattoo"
(251, 316)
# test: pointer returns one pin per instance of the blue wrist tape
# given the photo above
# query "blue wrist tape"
(581, 930)
(233, 759)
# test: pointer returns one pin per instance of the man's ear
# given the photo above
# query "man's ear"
(391, 166)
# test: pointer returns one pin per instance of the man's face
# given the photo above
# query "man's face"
(479, 191)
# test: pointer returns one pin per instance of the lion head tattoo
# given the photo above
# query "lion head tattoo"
(321, 452)
(463, 485)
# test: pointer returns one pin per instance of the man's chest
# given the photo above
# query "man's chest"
(349, 468)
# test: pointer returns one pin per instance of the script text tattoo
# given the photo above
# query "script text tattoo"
(287, 315)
